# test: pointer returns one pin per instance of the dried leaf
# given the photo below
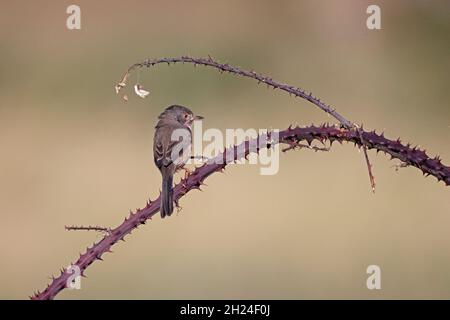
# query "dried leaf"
(119, 86)
(140, 91)
(122, 83)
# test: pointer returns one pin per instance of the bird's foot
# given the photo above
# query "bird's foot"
(187, 173)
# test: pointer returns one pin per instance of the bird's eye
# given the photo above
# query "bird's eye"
(186, 116)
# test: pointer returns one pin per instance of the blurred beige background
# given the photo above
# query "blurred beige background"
(73, 153)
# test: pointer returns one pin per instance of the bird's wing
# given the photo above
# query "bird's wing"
(162, 155)
(163, 146)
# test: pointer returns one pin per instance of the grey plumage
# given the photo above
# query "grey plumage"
(171, 154)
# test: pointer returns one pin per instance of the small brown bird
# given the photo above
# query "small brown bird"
(171, 148)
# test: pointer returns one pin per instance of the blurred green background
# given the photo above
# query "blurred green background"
(72, 152)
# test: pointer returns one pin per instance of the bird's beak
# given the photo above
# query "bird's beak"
(198, 118)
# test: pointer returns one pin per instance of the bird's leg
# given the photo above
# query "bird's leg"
(187, 172)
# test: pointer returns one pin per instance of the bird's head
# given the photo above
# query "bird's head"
(181, 114)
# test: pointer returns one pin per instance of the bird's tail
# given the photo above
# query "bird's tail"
(166, 207)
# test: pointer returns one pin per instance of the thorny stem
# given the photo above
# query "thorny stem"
(87, 228)
(405, 153)
(225, 67)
